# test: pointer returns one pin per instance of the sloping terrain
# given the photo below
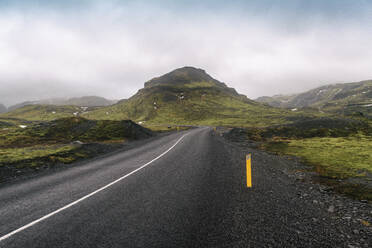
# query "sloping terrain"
(190, 96)
(66, 130)
(84, 101)
(28, 148)
(346, 99)
(279, 101)
(88, 101)
(35, 112)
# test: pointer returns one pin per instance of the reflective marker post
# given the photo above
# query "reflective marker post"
(249, 171)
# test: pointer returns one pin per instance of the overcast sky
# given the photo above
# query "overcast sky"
(110, 48)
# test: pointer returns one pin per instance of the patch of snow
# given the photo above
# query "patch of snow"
(368, 105)
(155, 107)
(294, 109)
(84, 108)
(337, 91)
(107, 113)
(22, 126)
(364, 92)
(77, 142)
(140, 122)
(76, 113)
(319, 92)
(53, 112)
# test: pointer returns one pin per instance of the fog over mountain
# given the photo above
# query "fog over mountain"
(84, 101)
(3, 109)
(109, 48)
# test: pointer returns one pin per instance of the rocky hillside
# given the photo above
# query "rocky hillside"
(348, 99)
(189, 95)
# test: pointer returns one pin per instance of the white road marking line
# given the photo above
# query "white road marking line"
(87, 196)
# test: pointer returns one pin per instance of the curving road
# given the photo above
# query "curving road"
(186, 189)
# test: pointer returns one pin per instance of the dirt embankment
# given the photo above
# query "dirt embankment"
(46, 145)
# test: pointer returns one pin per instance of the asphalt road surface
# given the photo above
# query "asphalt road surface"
(186, 189)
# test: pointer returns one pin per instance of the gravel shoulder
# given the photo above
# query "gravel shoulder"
(291, 210)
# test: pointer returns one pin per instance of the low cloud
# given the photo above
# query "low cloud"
(111, 49)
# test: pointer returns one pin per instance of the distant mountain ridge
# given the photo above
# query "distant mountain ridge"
(347, 98)
(85, 101)
(184, 96)
(3, 109)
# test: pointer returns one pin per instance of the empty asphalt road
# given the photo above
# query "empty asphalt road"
(185, 189)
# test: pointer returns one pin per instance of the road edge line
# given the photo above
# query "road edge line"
(87, 196)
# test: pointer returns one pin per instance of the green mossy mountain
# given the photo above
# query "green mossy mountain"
(345, 99)
(185, 96)
(84, 101)
(189, 95)
(186, 75)
(44, 112)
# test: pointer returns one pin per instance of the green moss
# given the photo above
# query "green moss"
(14, 155)
(193, 104)
(67, 160)
(331, 157)
(66, 130)
(43, 112)
(199, 85)
(167, 128)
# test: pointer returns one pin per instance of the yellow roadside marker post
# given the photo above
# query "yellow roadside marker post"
(249, 171)
(178, 128)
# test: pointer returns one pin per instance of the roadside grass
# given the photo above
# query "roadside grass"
(338, 150)
(31, 156)
(165, 128)
(46, 143)
(15, 162)
(66, 130)
(341, 157)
